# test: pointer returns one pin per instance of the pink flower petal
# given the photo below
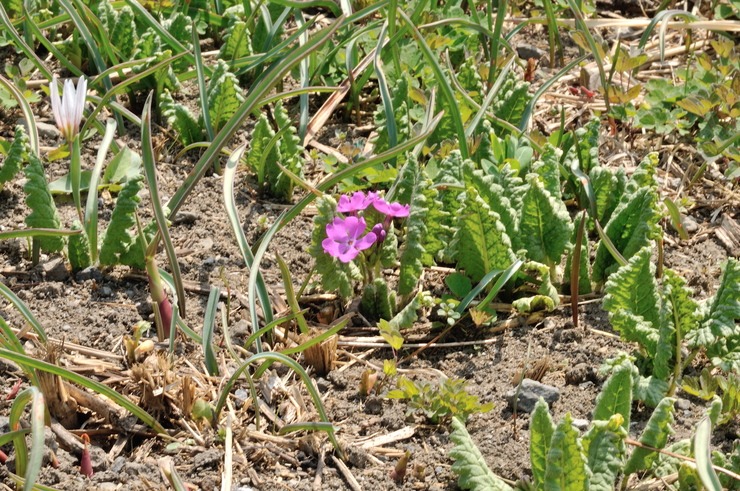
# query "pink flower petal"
(354, 227)
(366, 242)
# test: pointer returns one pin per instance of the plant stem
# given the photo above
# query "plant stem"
(75, 174)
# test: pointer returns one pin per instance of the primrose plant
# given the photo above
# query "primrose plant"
(353, 240)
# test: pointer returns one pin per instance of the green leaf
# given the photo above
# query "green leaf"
(391, 334)
(616, 396)
(702, 453)
(547, 297)
(291, 152)
(608, 189)
(459, 284)
(400, 103)
(236, 42)
(123, 167)
(180, 119)
(655, 435)
(117, 237)
(17, 154)
(470, 465)
(78, 248)
(495, 197)
(406, 317)
(377, 302)
(413, 251)
(603, 445)
(541, 429)
(632, 226)
(566, 466)
(544, 225)
(257, 160)
(39, 200)
(511, 101)
(335, 275)
(224, 95)
(651, 390)
(481, 241)
(548, 168)
(633, 303)
(679, 318)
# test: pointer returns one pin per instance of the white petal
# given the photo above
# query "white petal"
(80, 101)
(56, 103)
(68, 105)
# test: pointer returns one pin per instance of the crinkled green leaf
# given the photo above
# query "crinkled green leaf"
(650, 390)
(547, 297)
(678, 315)
(616, 396)
(655, 435)
(335, 275)
(481, 240)
(541, 428)
(180, 119)
(399, 99)
(470, 465)
(291, 152)
(78, 248)
(608, 189)
(413, 251)
(224, 95)
(632, 226)
(544, 224)
(566, 466)
(118, 237)
(261, 136)
(548, 168)
(587, 137)
(17, 154)
(603, 445)
(644, 176)
(39, 200)
(632, 301)
(514, 186)
(495, 197)
(406, 317)
(377, 302)
(236, 42)
(511, 101)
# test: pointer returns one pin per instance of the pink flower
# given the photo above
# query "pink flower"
(357, 202)
(343, 239)
(379, 232)
(391, 210)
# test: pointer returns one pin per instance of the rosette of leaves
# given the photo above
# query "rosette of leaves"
(224, 97)
(270, 148)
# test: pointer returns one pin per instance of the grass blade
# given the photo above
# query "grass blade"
(290, 295)
(200, 72)
(28, 117)
(151, 177)
(208, 325)
(702, 453)
(24, 311)
(91, 206)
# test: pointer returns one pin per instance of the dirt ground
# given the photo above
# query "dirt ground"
(96, 308)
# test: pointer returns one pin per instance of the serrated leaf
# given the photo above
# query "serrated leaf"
(495, 197)
(604, 448)
(413, 251)
(541, 428)
(117, 237)
(236, 42)
(224, 95)
(78, 248)
(608, 189)
(482, 243)
(470, 465)
(632, 301)
(261, 136)
(290, 155)
(548, 168)
(123, 32)
(678, 315)
(544, 224)
(566, 467)
(632, 226)
(723, 318)
(17, 154)
(181, 120)
(39, 200)
(654, 435)
(616, 396)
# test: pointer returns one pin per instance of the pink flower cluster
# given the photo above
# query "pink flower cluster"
(344, 236)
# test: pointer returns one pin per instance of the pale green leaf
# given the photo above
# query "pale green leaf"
(180, 119)
(470, 465)
(118, 237)
(604, 447)
(39, 200)
(566, 466)
(541, 428)
(655, 435)
(78, 248)
(236, 42)
(616, 396)
(224, 95)
(548, 168)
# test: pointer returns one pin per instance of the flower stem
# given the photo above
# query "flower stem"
(75, 174)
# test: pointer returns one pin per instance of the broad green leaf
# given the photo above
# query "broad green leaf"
(608, 188)
(123, 167)
(17, 154)
(541, 429)
(39, 200)
(633, 303)
(679, 318)
(566, 466)
(391, 334)
(650, 390)
(616, 396)
(604, 448)
(632, 226)
(654, 435)
(548, 168)
(377, 302)
(495, 197)
(470, 465)
(511, 101)
(481, 240)
(117, 237)
(224, 95)
(544, 225)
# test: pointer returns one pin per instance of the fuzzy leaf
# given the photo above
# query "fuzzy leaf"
(406, 317)
(290, 155)
(39, 200)
(123, 32)
(224, 95)
(261, 136)
(632, 226)
(377, 301)
(117, 237)
(17, 154)
(495, 197)
(604, 448)
(566, 467)
(722, 320)
(78, 248)
(548, 168)
(655, 435)
(678, 315)
(481, 240)
(616, 396)
(236, 42)
(608, 188)
(510, 102)
(541, 428)
(544, 225)
(470, 465)
(180, 119)
(413, 248)
(335, 275)
(632, 301)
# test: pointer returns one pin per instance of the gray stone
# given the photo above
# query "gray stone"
(529, 393)
(683, 404)
(527, 51)
(89, 273)
(45, 130)
(690, 225)
(55, 270)
(581, 424)
(106, 291)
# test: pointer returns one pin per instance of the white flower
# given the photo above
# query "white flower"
(68, 108)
